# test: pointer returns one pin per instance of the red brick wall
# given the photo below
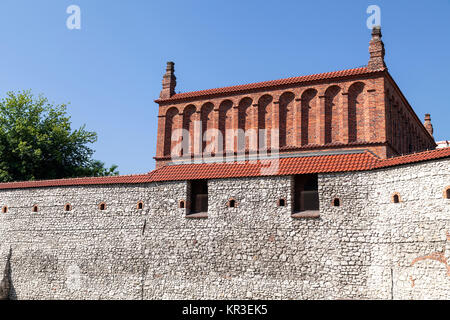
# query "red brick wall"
(328, 115)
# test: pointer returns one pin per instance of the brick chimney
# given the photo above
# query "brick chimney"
(169, 82)
(427, 124)
(376, 50)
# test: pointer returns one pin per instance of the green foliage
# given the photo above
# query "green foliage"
(37, 142)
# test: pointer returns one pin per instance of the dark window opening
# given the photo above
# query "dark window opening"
(199, 196)
(306, 193)
(35, 209)
(232, 203)
(181, 204)
(102, 206)
(5, 209)
(336, 202)
(68, 207)
(447, 193)
(140, 205)
(282, 203)
(396, 198)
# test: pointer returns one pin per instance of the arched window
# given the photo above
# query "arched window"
(5, 209)
(35, 208)
(396, 198)
(170, 124)
(188, 132)
(282, 202)
(286, 119)
(140, 205)
(336, 202)
(308, 117)
(102, 206)
(181, 204)
(356, 112)
(332, 124)
(232, 203)
(207, 119)
(447, 193)
(245, 113)
(68, 207)
(264, 121)
(225, 125)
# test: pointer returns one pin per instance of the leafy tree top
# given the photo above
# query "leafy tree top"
(37, 142)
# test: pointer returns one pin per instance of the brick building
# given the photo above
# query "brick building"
(361, 108)
(340, 216)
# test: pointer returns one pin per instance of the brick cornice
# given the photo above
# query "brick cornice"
(271, 85)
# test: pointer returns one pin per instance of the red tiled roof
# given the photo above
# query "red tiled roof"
(326, 163)
(414, 157)
(268, 84)
(285, 166)
(78, 181)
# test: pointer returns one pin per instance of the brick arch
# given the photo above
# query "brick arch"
(207, 119)
(332, 104)
(226, 123)
(172, 115)
(286, 119)
(395, 197)
(308, 116)
(265, 103)
(244, 122)
(356, 98)
(446, 193)
(188, 128)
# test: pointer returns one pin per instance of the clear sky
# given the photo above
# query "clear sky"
(111, 69)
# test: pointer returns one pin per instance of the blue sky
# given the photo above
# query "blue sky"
(111, 70)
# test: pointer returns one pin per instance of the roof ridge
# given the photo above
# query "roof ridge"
(268, 83)
(76, 178)
(437, 150)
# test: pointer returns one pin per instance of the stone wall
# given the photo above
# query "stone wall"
(366, 248)
(405, 246)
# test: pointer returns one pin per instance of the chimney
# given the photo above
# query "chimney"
(428, 124)
(169, 82)
(376, 50)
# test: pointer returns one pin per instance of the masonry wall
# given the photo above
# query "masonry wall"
(332, 114)
(366, 248)
(407, 243)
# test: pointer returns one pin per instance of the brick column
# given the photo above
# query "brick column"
(161, 135)
(196, 135)
(275, 125)
(344, 117)
(297, 122)
(177, 124)
(254, 122)
(215, 137)
(320, 123)
(235, 125)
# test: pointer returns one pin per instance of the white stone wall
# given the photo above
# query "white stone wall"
(366, 248)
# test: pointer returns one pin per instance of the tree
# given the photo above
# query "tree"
(37, 142)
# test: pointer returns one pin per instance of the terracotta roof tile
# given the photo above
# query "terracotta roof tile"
(78, 181)
(326, 163)
(414, 157)
(268, 84)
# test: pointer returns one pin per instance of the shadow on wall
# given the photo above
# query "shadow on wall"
(7, 291)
